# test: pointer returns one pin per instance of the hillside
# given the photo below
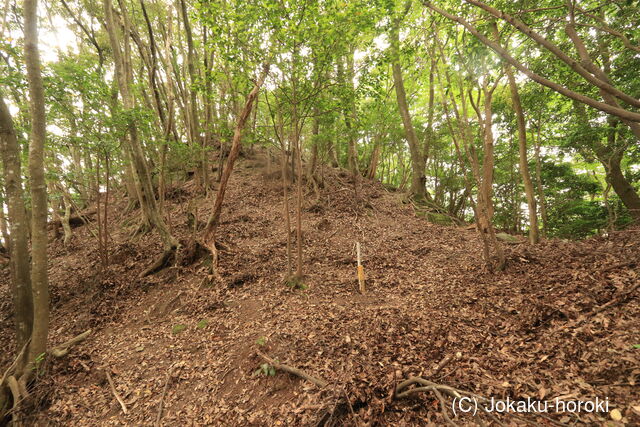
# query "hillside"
(560, 321)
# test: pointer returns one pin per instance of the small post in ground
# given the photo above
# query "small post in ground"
(360, 269)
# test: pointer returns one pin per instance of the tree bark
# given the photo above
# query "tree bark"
(418, 161)
(524, 163)
(124, 77)
(38, 186)
(543, 201)
(214, 218)
(18, 233)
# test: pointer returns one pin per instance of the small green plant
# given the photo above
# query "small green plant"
(202, 324)
(261, 341)
(637, 346)
(296, 282)
(178, 328)
(266, 370)
(38, 363)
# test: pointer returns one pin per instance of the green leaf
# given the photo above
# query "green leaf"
(178, 328)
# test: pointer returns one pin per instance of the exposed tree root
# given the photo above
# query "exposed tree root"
(295, 371)
(63, 349)
(210, 245)
(17, 398)
(160, 263)
(143, 228)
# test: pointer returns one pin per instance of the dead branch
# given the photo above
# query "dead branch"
(445, 414)
(440, 389)
(619, 266)
(63, 349)
(295, 371)
(427, 385)
(164, 393)
(444, 362)
(115, 392)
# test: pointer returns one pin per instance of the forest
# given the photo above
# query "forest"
(320, 212)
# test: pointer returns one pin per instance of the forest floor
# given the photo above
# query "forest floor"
(563, 320)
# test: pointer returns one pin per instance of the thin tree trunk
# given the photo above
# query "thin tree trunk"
(375, 157)
(39, 208)
(285, 193)
(524, 163)
(214, 218)
(543, 201)
(18, 228)
(124, 77)
(418, 161)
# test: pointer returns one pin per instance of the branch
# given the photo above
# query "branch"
(164, 393)
(551, 47)
(295, 371)
(115, 392)
(63, 349)
(616, 111)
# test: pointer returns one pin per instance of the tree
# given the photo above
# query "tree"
(38, 186)
(418, 159)
(124, 77)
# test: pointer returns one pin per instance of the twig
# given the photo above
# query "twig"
(115, 392)
(295, 371)
(444, 362)
(439, 389)
(445, 414)
(164, 393)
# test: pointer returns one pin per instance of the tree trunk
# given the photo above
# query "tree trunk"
(524, 163)
(214, 218)
(285, 192)
(39, 208)
(543, 200)
(375, 157)
(18, 234)
(122, 61)
(418, 161)
(621, 185)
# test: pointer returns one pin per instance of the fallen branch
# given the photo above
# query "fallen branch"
(444, 362)
(426, 385)
(295, 371)
(619, 266)
(164, 393)
(440, 389)
(63, 349)
(616, 300)
(115, 392)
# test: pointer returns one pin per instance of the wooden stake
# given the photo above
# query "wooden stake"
(360, 270)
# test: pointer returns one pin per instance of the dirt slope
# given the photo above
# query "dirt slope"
(558, 322)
